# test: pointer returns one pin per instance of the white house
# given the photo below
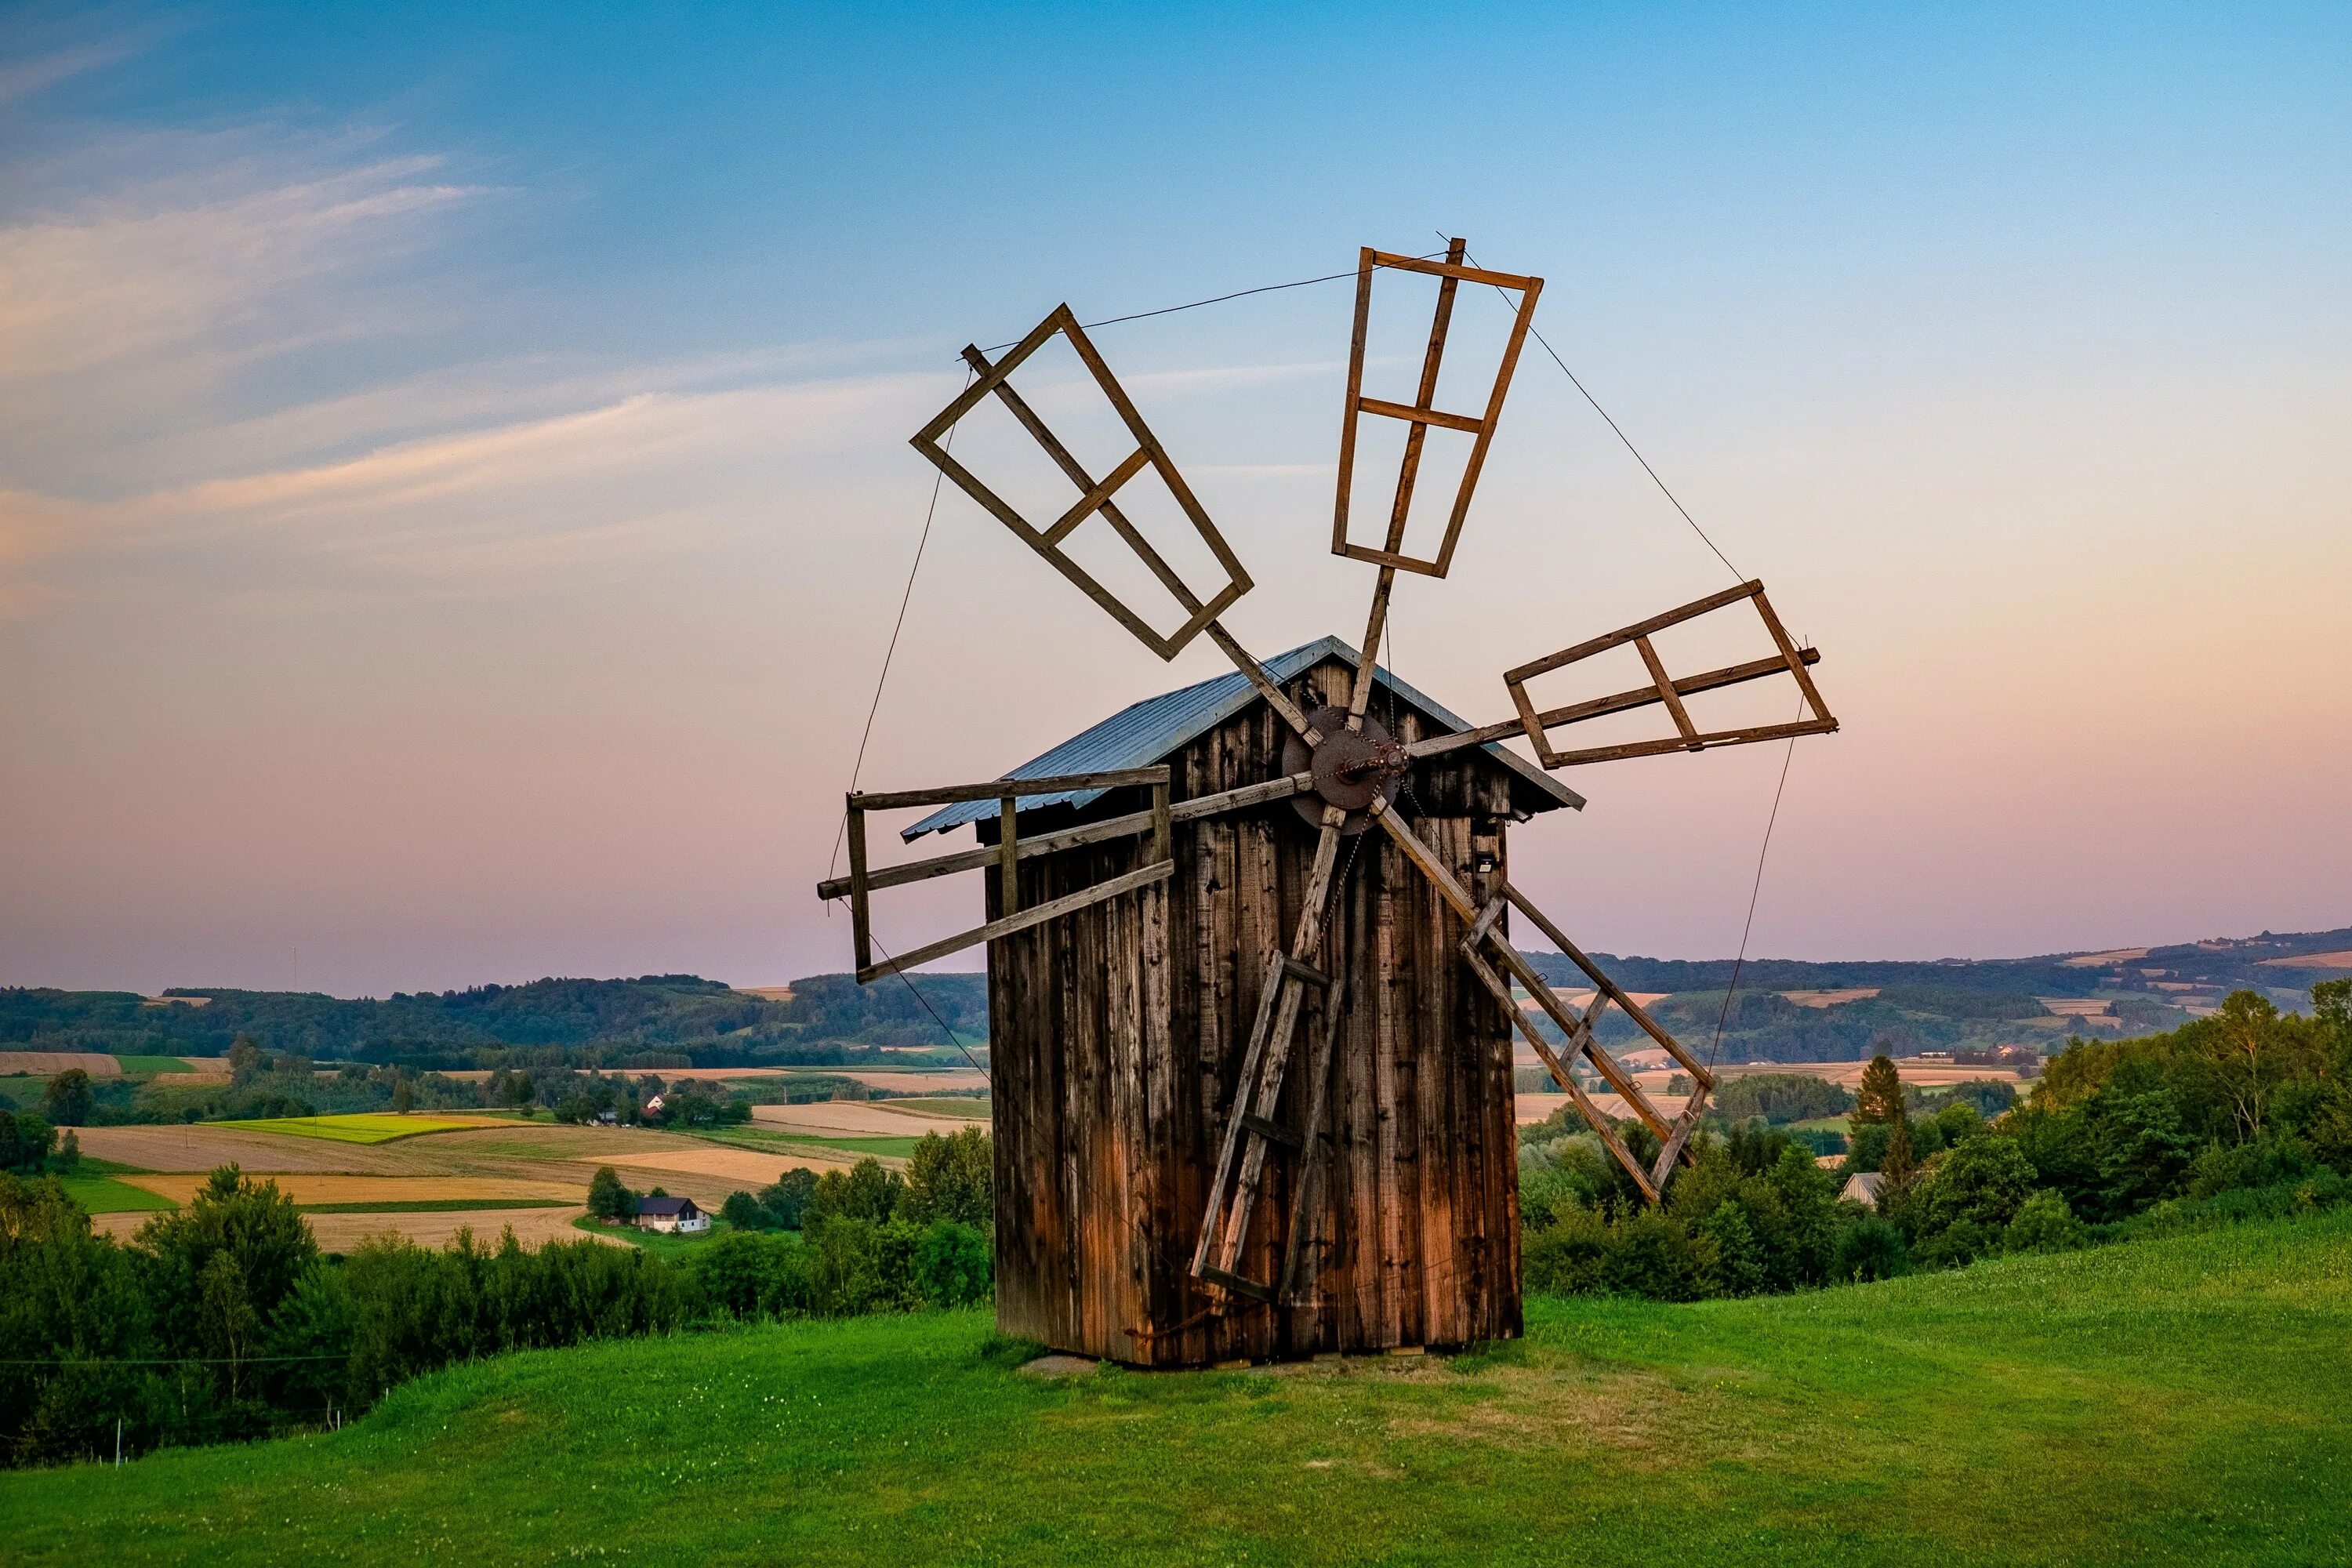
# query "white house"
(680, 1217)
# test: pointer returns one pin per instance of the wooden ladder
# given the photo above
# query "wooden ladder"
(1252, 1132)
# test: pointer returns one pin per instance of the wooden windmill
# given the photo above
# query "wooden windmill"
(1251, 1098)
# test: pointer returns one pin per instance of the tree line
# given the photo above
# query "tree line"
(2242, 1115)
(223, 1320)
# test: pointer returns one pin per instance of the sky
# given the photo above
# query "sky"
(454, 495)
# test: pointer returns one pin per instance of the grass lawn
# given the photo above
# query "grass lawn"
(653, 1241)
(98, 1193)
(132, 1066)
(2175, 1401)
(364, 1127)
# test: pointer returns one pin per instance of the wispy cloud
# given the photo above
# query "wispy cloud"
(175, 265)
(482, 509)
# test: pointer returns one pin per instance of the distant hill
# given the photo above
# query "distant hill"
(1787, 1010)
(657, 1020)
(1794, 1011)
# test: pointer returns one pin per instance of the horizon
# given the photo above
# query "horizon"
(1752, 960)
(454, 492)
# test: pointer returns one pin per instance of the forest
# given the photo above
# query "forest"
(662, 1021)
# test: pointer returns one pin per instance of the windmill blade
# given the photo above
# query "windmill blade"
(1095, 496)
(1423, 413)
(1662, 691)
(1005, 854)
(1485, 937)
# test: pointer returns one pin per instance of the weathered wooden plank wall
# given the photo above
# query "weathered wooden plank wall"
(1116, 1039)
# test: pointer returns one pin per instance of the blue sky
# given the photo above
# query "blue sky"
(455, 485)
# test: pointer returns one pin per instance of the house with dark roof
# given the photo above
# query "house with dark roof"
(675, 1216)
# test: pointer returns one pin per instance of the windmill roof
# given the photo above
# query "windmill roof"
(1144, 734)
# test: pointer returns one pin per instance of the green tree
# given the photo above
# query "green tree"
(1900, 1164)
(952, 1178)
(1880, 1097)
(952, 1265)
(787, 1197)
(741, 1211)
(867, 1192)
(218, 1270)
(607, 1198)
(69, 1101)
(2243, 1055)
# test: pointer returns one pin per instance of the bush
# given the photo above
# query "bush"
(2044, 1223)
(1652, 1255)
(1870, 1248)
(952, 1264)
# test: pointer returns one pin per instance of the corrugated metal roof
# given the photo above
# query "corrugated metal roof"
(1140, 735)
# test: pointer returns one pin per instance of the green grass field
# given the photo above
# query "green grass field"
(98, 1193)
(2187, 1400)
(887, 1146)
(652, 1241)
(361, 1127)
(135, 1065)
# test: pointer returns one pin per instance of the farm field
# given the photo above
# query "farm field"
(106, 1195)
(369, 1127)
(963, 1107)
(491, 1159)
(853, 1118)
(2176, 1400)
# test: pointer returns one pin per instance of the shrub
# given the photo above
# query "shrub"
(1870, 1248)
(1566, 1258)
(952, 1178)
(2044, 1223)
(952, 1264)
(1654, 1255)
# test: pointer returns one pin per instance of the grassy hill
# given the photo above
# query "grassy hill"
(2183, 1400)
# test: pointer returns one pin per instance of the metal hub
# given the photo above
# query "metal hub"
(1352, 768)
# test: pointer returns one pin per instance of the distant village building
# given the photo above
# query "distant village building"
(678, 1217)
(1863, 1186)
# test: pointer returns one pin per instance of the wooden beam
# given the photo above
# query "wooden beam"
(1420, 415)
(1600, 981)
(1697, 743)
(1624, 635)
(1008, 856)
(1037, 914)
(1666, 693)
(1455, 269)
(1098, 497)
(1561, 1076)
(1059, 783)
(1126, 827)
(861, 928)
(1599, 707)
